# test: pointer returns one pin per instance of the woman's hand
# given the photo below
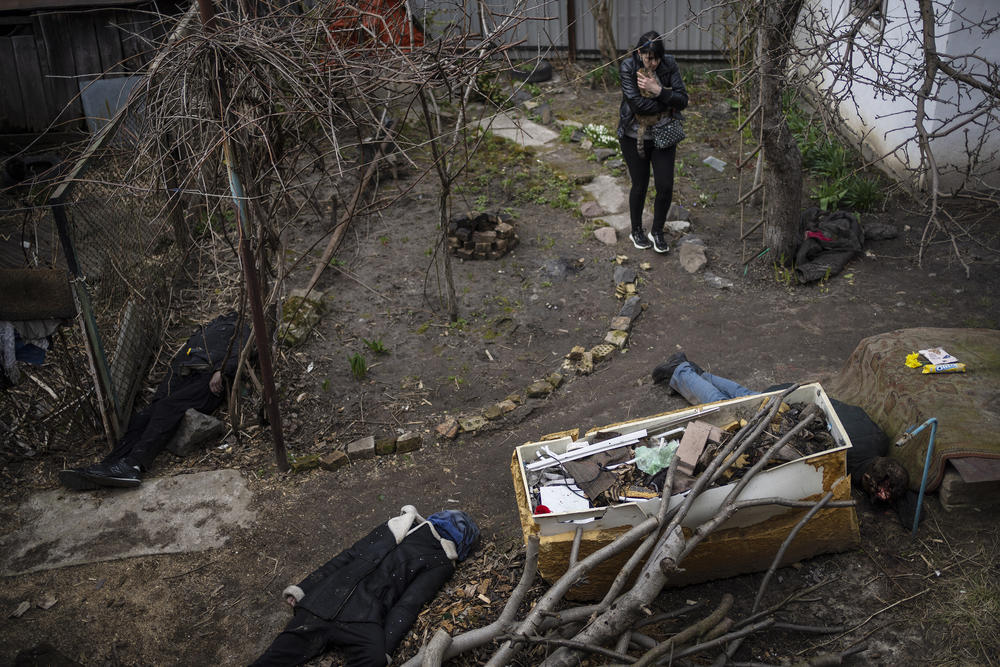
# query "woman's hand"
(650, 84)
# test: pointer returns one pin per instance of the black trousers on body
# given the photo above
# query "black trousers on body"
(150, 430)
(308, 635)
(662, 162)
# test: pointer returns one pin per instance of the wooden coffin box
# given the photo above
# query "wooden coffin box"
(747, 542)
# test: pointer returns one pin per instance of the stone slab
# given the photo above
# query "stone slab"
(520, 131)
(622, 222)
(179, 514)
(362, 448)
(607, 192)
(606, 235)
(955, 493)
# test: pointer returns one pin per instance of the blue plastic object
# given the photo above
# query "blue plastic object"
(909, 435)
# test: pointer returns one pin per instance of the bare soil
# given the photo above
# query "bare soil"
(933, 599)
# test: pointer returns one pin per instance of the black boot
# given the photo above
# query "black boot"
(120, 473)
(660, 244)
(665, 371)
(76, 479)
(639, 239)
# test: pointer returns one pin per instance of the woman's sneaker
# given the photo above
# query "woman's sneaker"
(659, 244)
(639, 240)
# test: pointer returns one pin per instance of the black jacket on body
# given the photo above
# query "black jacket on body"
(385, 578)
(672, 98)
(206, 352)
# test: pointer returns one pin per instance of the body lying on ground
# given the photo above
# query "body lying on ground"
(196, 379)
(366, 598)
(884, 480)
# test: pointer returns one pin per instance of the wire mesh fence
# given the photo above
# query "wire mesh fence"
(116, 243)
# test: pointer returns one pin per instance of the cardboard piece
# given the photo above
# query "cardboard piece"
(696, 436)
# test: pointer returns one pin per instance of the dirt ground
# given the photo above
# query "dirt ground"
(929, 600)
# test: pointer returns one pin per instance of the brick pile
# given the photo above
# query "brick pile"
(483, 236)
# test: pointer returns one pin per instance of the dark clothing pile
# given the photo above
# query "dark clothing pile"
(366, 598)
(828, 242)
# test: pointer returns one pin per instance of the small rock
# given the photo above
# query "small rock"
(578, 136)
(384, 446)
(878, 231)
(603, 154)
(558, 269)
(333, 460)
(614, 164)
(586, 144)
(631, 308)
(617, 338)
(624, 274)
(576, 353)
(507, 406)
(586, 364)
(515, 398)
(521, 96)
(471, 424)
(542, 113)
(555, 379)
(539, 389)
(692, 257)
(21, 608)
(677, 226)
(606, 235)
(715, 163)
(620, 323)
(591, 209)
(493, 412)
(304, 463)
(363, 448)
(692, 238)
(645, 266)
(448, 428)
(408, 442)
(678, 212)
(569, 123)
(195, 429)
(47, 602)
(717, 282)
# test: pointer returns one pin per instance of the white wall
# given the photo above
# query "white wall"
(885, 117)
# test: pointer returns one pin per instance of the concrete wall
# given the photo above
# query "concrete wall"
(885, 118)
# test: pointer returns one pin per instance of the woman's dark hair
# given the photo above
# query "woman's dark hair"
(651, 43)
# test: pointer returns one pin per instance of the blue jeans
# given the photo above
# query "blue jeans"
(704, 388)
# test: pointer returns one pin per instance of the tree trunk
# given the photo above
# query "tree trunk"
(601, 9)
(783, 161)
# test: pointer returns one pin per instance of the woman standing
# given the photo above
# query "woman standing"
(652, 94)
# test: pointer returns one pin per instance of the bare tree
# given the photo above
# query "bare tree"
(602, 11)
(928, 102)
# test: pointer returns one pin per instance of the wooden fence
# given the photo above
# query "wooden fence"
(46, 56)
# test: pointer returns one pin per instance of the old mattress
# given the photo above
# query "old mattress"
(896, 397)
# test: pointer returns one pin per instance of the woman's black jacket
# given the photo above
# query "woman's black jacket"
(673, 96)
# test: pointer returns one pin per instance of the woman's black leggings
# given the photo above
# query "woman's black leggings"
(662, 160)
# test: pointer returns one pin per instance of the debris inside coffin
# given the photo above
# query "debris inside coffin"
(619, 468)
